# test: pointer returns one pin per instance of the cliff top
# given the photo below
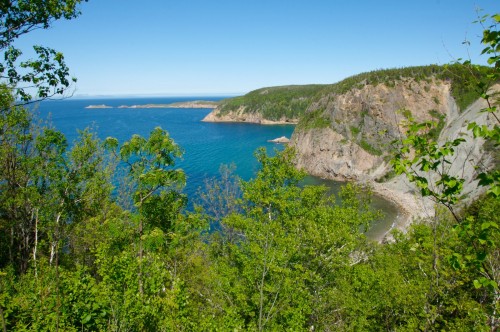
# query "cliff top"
(291, 102)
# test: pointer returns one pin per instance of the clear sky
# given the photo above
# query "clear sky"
(200, 47)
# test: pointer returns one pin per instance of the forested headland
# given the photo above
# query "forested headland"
(96, 236)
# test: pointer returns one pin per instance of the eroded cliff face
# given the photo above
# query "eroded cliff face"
(354, 138)
(326, 153)
(241, 116)
(361, 125)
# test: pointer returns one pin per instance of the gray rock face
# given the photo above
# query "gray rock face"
(326, 153)
(363, 122)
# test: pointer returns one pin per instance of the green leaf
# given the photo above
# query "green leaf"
(86, 319)
(494, 191)
(477, 284)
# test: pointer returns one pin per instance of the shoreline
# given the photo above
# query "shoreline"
(261, 122)
(187, 104)
(409, 206)
(240, 117)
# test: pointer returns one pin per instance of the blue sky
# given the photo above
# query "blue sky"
(200, 47)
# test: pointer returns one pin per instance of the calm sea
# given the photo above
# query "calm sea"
(206, 145)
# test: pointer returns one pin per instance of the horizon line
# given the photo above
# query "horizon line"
(135, 95)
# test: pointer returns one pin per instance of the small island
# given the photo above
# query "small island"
(98, 106)
(184, 104)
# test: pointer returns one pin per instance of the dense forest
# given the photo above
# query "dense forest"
(96, 235)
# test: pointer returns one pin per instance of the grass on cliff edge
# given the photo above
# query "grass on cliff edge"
(292, 101)
(463, 80)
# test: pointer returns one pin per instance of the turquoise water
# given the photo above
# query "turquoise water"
(206, 145)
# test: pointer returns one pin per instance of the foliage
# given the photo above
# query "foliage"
(44, 187)
(435, 131)
(429, 156)
(420, 155)
(285, 257)
(369, 148)
(314, 120)
(408, 285)
(354, 130)
(386, 177)
(219, 196)
(275, 266)
(150, 164)
(275, 103)
(47, 75)
(23, 16)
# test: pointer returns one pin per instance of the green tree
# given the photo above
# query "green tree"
(51, 194)
(157, 184)
(424, 161)
(29, 152)
(219, 196)
(47, 75)
(153, 275)
(43, 186)
(277, 268)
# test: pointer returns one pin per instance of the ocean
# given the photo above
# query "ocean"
(206, 145)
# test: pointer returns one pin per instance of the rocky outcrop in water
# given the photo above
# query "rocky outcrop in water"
(281, 140)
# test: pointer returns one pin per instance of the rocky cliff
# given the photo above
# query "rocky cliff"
(345, 130)
(348, 136)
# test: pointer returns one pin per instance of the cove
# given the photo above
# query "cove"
(206, 145)
(391, 214)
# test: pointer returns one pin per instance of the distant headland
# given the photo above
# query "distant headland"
(99, 106)
(185, 104)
